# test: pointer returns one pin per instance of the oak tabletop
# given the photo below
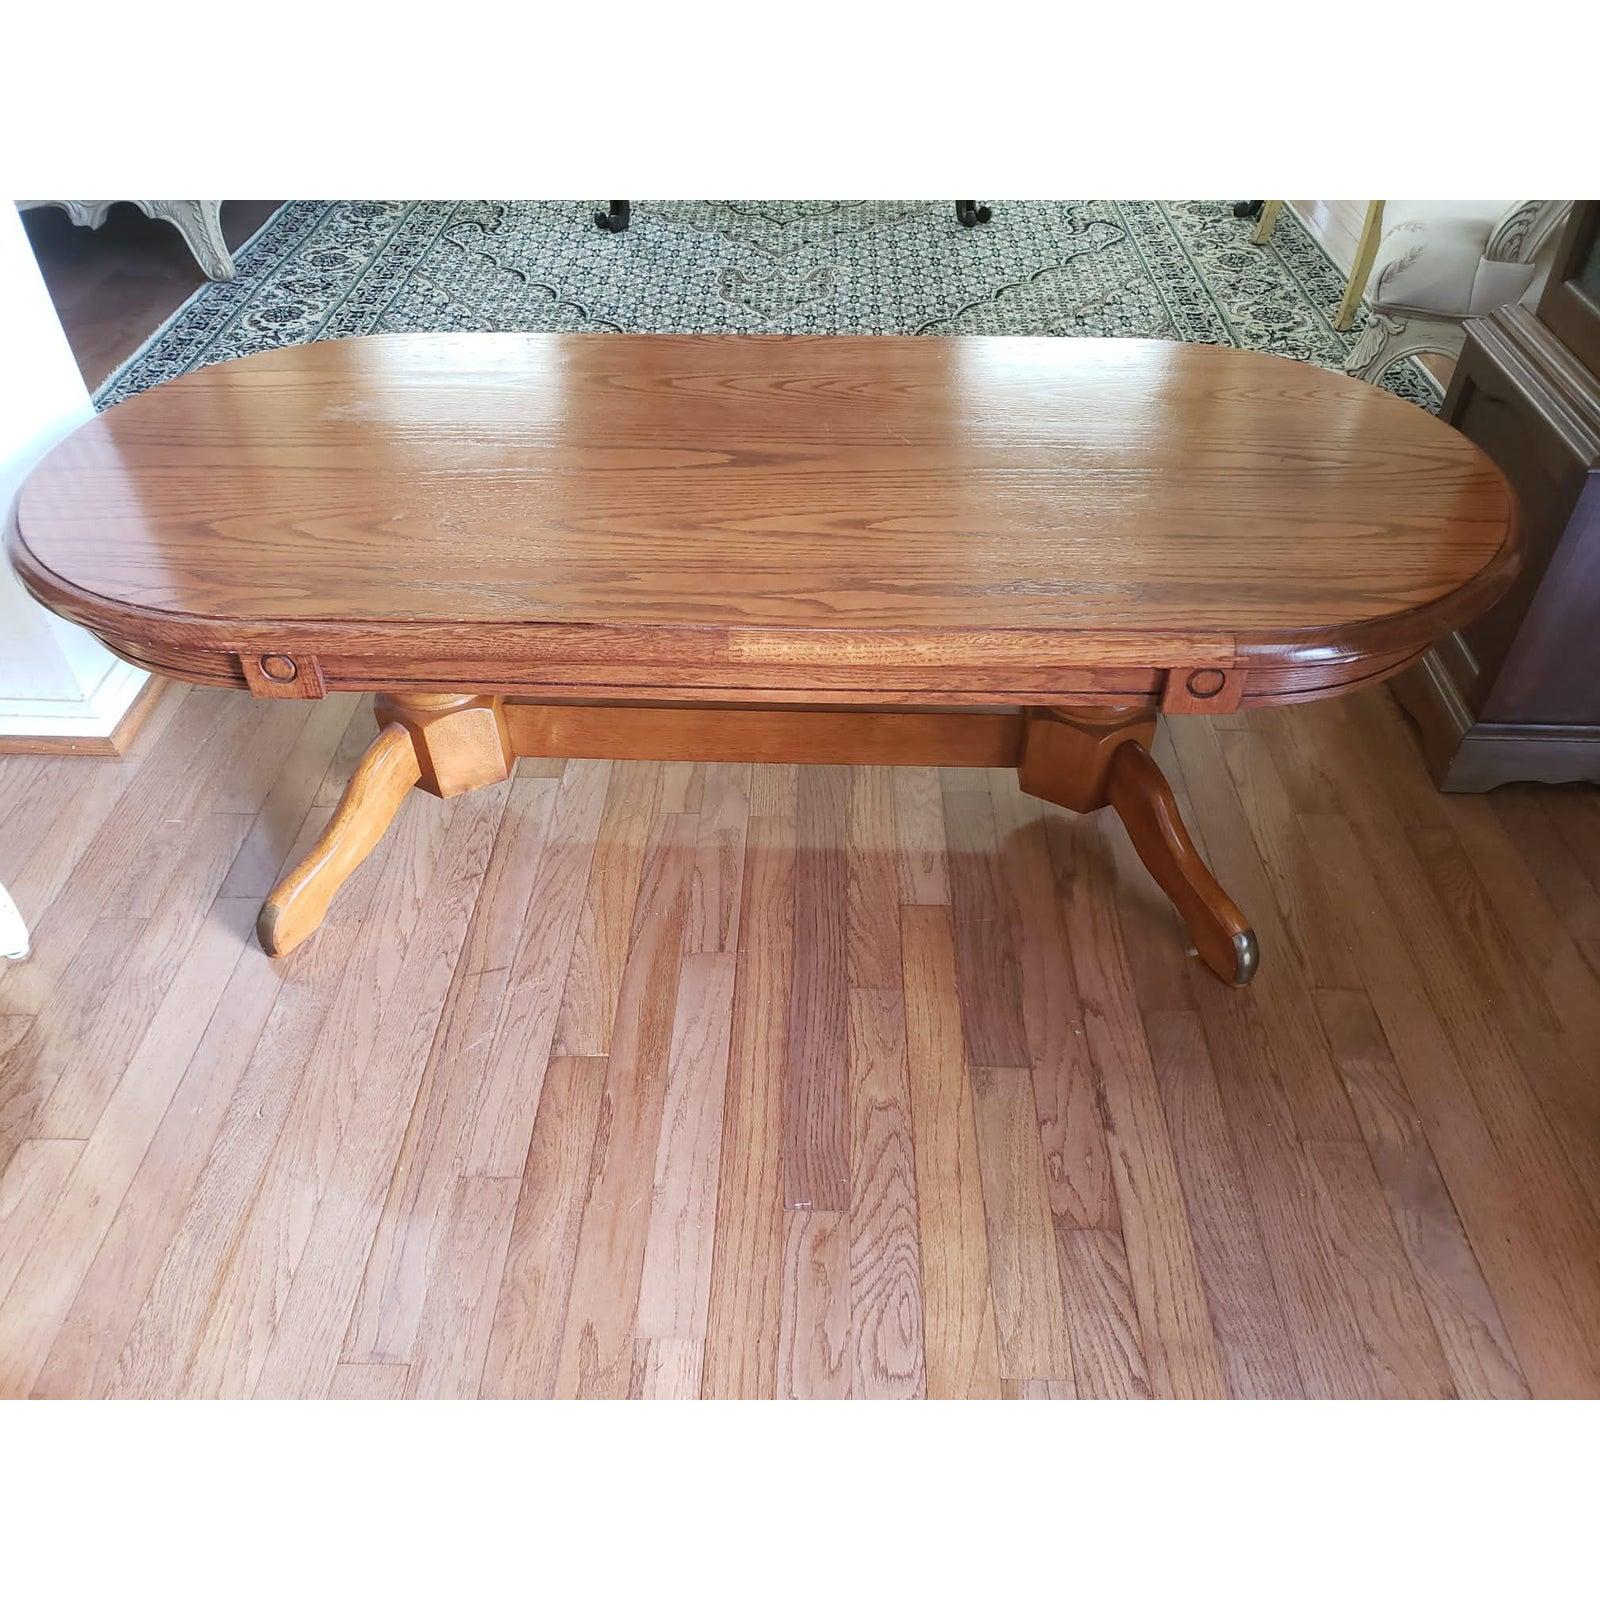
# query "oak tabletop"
(838, 487)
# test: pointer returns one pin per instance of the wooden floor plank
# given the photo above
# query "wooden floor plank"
(1280, 999)
(1371, 741)
(816, 1124)
(175, 785)
(1107, 1355)
(264, 1252)
(1025, 1282)
(814, 1326)
(1066, 1094)
(65, 1243)
(31, 1187)
(170, 1320)
(1527, 904)
(741, 1349)
(961, 1341)
(714, 895)
(525, 1342)
(919, 835)
(1501, 978)
(38, 1048)
(1296, 1234)
(156, 980)
(1558, 832)
(874, 880)
(1180, 1346)
(594, 975)
(1257, 1352)
(356, 1380)
(464, 1279)
(982, 924)
(64, 813)
(1376, 1276)
(885, 1259)
(676, 1285)
(1313, 939)
(530, 1010)
(83, 1359)
(1465, 1317)
(668, 1369)
(602, 1306)
(1503, 1219)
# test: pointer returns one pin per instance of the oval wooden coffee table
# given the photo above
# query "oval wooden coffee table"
(983, 552)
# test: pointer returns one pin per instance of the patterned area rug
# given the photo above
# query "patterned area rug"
(1072, 268)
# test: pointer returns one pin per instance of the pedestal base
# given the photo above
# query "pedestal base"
(449, 744)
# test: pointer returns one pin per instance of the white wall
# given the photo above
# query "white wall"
(55, 680)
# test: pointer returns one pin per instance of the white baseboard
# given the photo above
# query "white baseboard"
(96, 717)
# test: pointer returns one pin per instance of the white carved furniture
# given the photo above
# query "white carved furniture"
(1439, 262)
(199, 221)
(13, 930)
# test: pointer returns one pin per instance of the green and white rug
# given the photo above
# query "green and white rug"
(1069, 268)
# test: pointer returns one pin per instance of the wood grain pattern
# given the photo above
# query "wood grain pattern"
(1257, 1354)
(741, 1350)
(192, 1285)
(293, 1183)
(461, 1070)
(539, 969)
(1107, 1354)
(458, 1315)
(885, 1261)
(525, 1343)
(816, 1122)
(321, 1084)
(1175, 1325)
(986, 958)
(302, 1353)
(666, 509)
(589, 1000)
(676, 1282)
(1471, 1333)
(814, 1330)
(1029, 1307)
(602, 1305)
(592, 731)
(961, 1343)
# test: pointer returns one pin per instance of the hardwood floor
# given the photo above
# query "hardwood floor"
(113, 286)
(629, 1079)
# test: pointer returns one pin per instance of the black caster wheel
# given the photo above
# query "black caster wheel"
(1250, 209)
(969, 213)
(615, 218)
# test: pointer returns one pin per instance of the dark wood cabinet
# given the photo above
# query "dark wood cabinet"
(1516, 695)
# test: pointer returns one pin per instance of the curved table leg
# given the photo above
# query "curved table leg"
(444, 743)
(387, 774)
(1093, 758)
(1139, 795)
